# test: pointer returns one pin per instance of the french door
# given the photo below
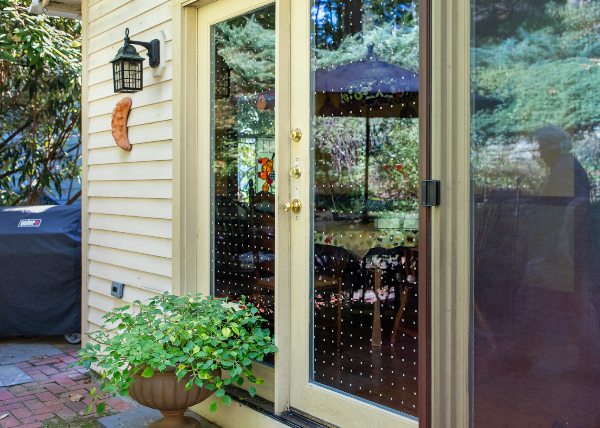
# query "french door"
(358, 280)
(317, 144)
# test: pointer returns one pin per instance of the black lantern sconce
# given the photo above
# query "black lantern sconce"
(128, 65)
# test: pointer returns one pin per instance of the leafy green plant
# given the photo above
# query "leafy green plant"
(40, 96)
(194, 334)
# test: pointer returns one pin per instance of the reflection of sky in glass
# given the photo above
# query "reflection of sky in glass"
(320, 16)
(326, 12)
(329, 17)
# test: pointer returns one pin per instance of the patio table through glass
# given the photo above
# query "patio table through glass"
(379, 251)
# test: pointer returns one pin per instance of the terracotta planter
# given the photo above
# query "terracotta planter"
(168, 395)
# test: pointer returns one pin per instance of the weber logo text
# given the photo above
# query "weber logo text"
(30, 222)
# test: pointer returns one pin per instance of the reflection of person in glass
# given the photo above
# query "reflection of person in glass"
(555, 314)
(566, 177)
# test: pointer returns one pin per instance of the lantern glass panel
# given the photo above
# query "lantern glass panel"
(128, 75)
(132, 76)
(118, 75)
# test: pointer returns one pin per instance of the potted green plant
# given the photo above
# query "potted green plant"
(172, 352)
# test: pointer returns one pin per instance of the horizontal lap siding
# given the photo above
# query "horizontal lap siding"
(129, 194)
(158, 150)
(151, 95)
(157, 17)
(156, 189)
(131, 260)
(147, 133)
(159, 247)
(129, 207)
(137, 279)
(95, 316)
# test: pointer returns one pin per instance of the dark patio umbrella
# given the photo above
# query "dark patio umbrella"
(367, 88)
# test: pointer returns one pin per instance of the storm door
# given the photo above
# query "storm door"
(357, 157)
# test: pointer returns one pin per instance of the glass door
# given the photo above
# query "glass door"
(354, 202)
(244, 151)
(237, 195)
(323, 230)
(535, 165)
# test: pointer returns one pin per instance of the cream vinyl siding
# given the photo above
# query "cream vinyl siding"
(128, 200)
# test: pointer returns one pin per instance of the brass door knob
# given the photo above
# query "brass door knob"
(296, 135)
(295, 206)
(295, 172)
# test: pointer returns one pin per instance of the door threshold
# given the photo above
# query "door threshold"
(291, 418)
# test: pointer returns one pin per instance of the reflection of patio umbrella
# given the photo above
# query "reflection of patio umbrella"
(367, 88)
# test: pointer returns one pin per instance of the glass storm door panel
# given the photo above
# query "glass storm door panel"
(535, 161)
(243, 151)
(365, 205)
(360, 224)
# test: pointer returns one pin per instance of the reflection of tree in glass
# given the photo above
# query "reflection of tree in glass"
(247, 46)
(336, 19)
(340, 163)
(543, 75)
(397, 46)
(395, 164)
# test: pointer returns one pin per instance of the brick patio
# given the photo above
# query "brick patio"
(57, 396)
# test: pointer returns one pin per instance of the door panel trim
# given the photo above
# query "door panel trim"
(354, 411)
(424, 305)
(450, 222)
(283, 301)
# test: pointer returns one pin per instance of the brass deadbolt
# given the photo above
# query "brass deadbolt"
(296, 135)
(295, 172)
(295, 206)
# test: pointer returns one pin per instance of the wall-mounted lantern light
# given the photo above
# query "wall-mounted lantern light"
(128, 65)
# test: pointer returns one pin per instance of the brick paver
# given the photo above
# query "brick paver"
(58, 392)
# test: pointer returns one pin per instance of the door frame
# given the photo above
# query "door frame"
(424, 269)
(450, 249)
(449, 314)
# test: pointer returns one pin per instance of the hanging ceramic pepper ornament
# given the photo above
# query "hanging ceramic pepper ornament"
(119, 123)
